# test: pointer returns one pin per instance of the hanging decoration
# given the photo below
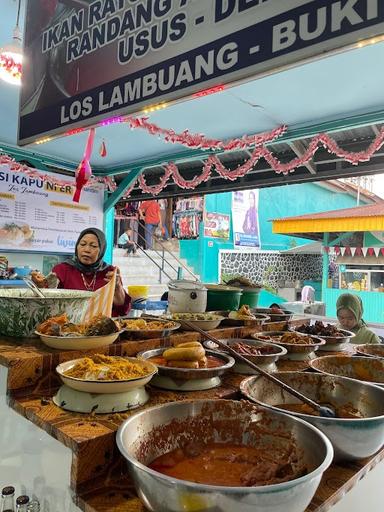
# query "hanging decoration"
(34, 173)
(200, 141)
(354, 251)
(84, 171)
(103, 149)
(214, 163)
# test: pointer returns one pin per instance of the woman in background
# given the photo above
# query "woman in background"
(86, 270)
(349, 309)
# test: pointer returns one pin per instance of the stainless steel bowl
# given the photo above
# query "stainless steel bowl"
(266, 361)
(259, 319)
(274, 317)
(351, 438)
(365, 369)
(157, 430)
(147, 334)
(371, 350)
(334, 343)
(298, 351)
(189, 373)
(295, 351)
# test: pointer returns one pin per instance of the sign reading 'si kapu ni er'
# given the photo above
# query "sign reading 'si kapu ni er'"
(87, 61)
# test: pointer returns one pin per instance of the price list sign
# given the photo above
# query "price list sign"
(39, 216)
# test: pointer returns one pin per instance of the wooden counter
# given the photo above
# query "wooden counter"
(98, 474)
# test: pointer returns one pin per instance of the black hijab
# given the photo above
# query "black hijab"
(99, 263)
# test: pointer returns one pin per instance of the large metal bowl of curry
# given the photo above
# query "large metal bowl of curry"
(158, 430)
(353, 437)
(365, 369)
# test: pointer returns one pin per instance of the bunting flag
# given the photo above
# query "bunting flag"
(353, 251)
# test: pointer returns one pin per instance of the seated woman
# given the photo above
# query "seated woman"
(86, 270)
(349, 314)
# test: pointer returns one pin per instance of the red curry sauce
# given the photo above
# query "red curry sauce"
(230, 465)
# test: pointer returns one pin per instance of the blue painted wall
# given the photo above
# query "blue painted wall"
(288, 201)
(203, 254)
(274, 203)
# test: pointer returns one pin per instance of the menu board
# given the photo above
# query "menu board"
(38, 215)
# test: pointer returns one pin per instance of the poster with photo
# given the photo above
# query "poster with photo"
(40, 216)
(216, 225)
(245, 218)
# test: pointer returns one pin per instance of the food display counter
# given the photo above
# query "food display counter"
(70, 460)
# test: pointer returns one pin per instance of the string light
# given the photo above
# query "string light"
(206, 92)
(153, 108)
(372, 40)
(43, 140)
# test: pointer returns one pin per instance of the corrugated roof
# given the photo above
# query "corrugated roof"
(369, 210)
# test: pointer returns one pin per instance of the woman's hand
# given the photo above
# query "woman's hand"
(119, 297)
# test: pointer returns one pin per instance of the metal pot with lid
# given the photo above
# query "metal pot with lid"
(187, 297)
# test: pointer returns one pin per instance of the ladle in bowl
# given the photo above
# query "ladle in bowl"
(36, 290)
(325, 411)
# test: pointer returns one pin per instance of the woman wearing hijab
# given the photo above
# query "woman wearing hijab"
(349, 313)
(86, 270)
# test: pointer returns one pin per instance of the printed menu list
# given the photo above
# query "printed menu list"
(37, 215)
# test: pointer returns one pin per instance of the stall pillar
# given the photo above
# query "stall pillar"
(109, 217)
(325, 266)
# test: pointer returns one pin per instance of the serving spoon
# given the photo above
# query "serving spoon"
(324, 411)
(36, 290)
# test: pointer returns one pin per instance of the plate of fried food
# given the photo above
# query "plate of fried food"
(106, 374)
(59, 332)
(206, 321)
(299, 346)
(141, 328)
(244, 316)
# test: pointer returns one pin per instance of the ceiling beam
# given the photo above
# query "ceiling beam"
(299, 149)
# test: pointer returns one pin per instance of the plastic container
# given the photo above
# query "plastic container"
(138, 291)
(223, 298)
(250, 297)
(22, 271)
(156, 307)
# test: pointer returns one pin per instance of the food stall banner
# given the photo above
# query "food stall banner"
(89, 60)
(245, 218)
(37, 215)
(216, 225)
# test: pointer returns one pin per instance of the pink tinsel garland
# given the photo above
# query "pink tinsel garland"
(262, 152)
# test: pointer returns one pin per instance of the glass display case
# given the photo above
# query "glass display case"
(358, 279)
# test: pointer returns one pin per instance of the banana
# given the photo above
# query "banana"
(183, 364)
(189, 344)
(184, 354)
